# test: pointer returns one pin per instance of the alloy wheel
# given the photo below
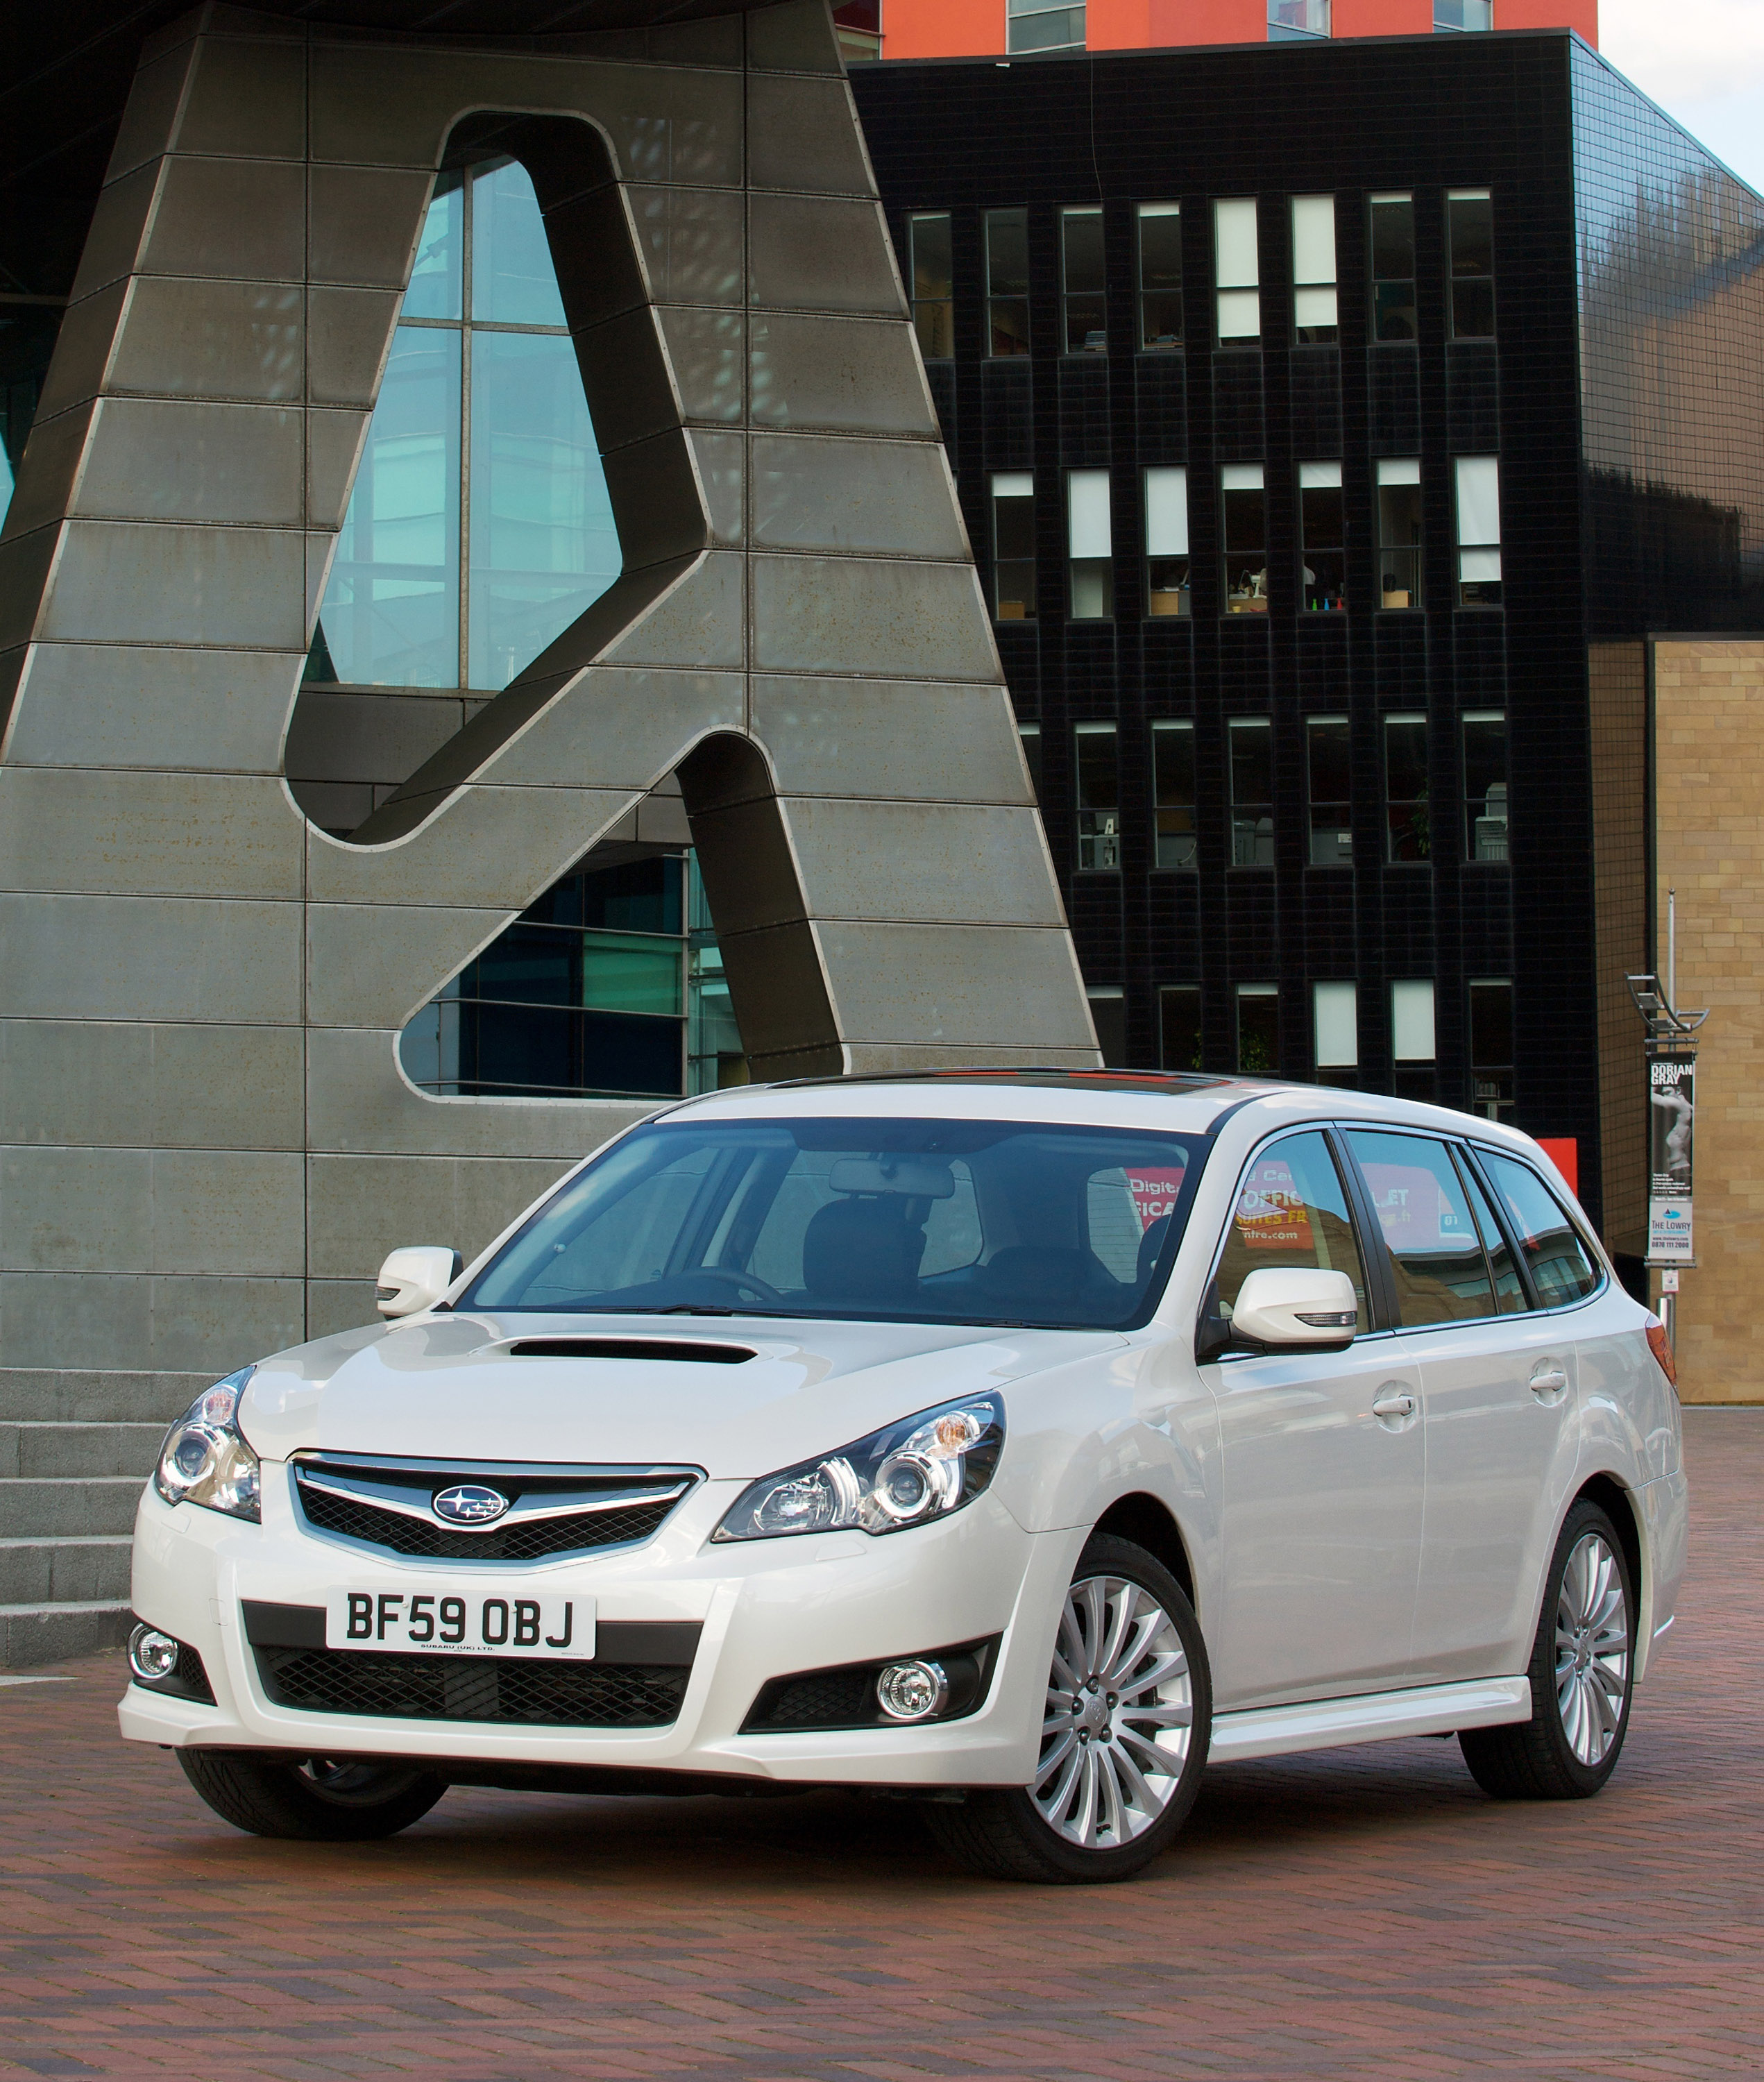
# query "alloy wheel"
(1119, 1717)
(1592, 1649)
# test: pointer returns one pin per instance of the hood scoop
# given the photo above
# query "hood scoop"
(681, 1351)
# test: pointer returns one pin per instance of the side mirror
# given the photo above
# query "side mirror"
(416, 1277)
(1295, 1306)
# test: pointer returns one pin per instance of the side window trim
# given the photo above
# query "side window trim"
(1594, 1250)
(1504, 1222)
(1374, 1255)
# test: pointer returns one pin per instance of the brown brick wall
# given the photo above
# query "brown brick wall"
(1617, 679)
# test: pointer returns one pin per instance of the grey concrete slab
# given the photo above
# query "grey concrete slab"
(340, 1304)
(336, 807)
(333, 449)
(378, 736)
(84, 347)
(803, 133)
(188, 1211)
(149, 957)
(377, 965)
(66, 1395)
(48, 472)
(777, 983)
(621, 727)
(813, 492)
(247, 99)
(56, 1633)
(720, 460)
(119, 225)
(699, 624)
(751, 871)
(24, 572)
(594, 254)
(691, 242)
(123, 581)
(363, 224)
(240, 219)
(840, 375)
(246, 340)
(120, 704)
(625, 377)
(955, 986)
(87, 1320)
(349, 336)
(798, 37)
(150, 114)
(901, 1058)
(704, 351)
(898, 619)
(811, 253)
(153, 460)
(957, 863)
(657, 500)
(73, 1505)
(879, 738)
(38, 1450)
(364, 1206)
(63, 1569)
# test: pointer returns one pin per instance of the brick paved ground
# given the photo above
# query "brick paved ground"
(1365, 1914)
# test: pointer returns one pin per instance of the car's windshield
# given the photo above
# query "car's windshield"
(903, 1220)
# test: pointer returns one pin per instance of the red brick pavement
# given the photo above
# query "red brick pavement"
(1365, 1914)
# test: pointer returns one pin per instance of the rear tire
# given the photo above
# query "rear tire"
(1581, 1671)
(1129, 1711)
(321, 1800)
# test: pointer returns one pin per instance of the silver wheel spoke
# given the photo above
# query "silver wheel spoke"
(1121, 1629)
(1592, 1649)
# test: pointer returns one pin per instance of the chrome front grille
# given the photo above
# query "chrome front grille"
(552, 1510)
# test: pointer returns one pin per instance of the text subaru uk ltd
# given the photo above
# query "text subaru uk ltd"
(1013, 1442)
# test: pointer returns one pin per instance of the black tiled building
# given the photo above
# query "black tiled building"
(1333, 424)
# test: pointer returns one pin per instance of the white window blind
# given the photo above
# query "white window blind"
(1234, 234)
(1412, 1022)
(1398, 469)
(1166, 513)
(1087, 513)
(1336, 1009)
(1479, 517)
(1313, 238)
(1319, 477)
(1013, 484)
(1240, 477)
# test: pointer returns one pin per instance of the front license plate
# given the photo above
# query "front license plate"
(454, 1617)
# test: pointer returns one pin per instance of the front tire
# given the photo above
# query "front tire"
(1124, 1734)
(1581, 1673)
(320, 1801)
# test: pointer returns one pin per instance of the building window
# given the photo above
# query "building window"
(1166, 542)
(1321, 529)
(1491, 1048)
(1258, 1029)
(1327, 746)
(1109, 1016)
(1013, 545)
(1399, 532)
(1485, 785)
(933, 284)
(1470, 241)
(1335, 1022)
(1030, 733)
(1080, 264)
(858, 24)
(1179, 1026)
(431, 588)
(1090, 545)
(1007, 280)
(1252, 791)
(1313, 270)
(1412, 1037)
(1237, 269)
(1478, 531)
(1463, 15)
(1172, 786)
(1393, 267)
(1244, 517)
(1034, 26)
(1161, 275)
(1297, 21)
(1410, 836)
(1099, 796)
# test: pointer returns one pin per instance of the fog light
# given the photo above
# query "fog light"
(152, 1655)
(912, 1690)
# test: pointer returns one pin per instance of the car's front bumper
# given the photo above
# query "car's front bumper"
(766, 1608)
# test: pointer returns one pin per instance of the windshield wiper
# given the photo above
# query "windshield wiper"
(702, 1309)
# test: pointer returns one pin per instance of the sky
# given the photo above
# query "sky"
(1702, 60)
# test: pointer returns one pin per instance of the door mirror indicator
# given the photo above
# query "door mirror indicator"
(1288, 1306)
(415, 1279)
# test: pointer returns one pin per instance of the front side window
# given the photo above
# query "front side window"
(1090, 545)
(1099, 795)
(877, 1220)
(1409, 834)
(1470, 245)
(1013, 545)
(1252, 740)
(1237, 267)
(1297, 21)
(1007, 280)
(1166, 542)
(1179, 1026)
(1321, 527)
(1243, 515)
(1393, 267)
(1291, 1212)
(1032, 25)
(1485, 784)
(1080, 261)
(1161, 275)
(1172, 782)
(1313, 270)
(1436, 1253)
(1561, 1269)
(1478, 531)
(1399, 531)
(1258, 1029)
(1491, 1048)
(1329, 774)
(933, 284)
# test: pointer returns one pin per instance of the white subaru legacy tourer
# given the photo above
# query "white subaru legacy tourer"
(1010, 1443)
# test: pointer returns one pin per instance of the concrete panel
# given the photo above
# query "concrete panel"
(83, 347)
(363, 224)
(49, 471)
(956, 986)
(956, 862)
(207, 340)
(340, 1304)
(151, 114)
(364, 1206)
(779, 992)
(128, 582)
(906, 621)
(193, 1325)
(625, 378)
(749, 868)
(151, 957)
(248, 100)
(114, 832)
(811, 255)
(69, 1395)
(594, 254)
(880, 737)
(624, 728)
(796, 38)
(892, 497)
(704, 352)
(721, 461)
(336, 806)
(154, 461)
(349, 332)
(803, 133)
(901, 1058)
(842, 375)
(714, 41)
(378, 965)
(690, 240)
(128, 1083)
(700, 623)
(655, 493)
(188, 1211)
(333, 447)
(382, 737)
(243, 220)
(114, 705)
(24, 573)
(119, 225)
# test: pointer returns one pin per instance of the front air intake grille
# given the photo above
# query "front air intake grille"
(526, 1540)
(518, 1691)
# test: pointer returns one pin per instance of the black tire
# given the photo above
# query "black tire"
(316, 1801)
(1004, 1834)
(1537, 1759)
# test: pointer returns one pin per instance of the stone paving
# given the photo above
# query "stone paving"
(1365, 1914)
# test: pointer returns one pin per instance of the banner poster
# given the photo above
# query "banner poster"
(1672, 1093)
(1271, 1211)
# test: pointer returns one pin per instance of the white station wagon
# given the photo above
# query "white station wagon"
(1010, 1442)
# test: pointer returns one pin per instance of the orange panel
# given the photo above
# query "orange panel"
(1382, 17)
(943, 28)
(1208, 22)
(1563, 1151)
(1118, 25)
(1582, 15)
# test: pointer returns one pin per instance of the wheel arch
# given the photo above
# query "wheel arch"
(1146, 1520)
(1614, 1498)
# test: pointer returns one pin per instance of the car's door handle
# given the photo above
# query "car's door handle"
(1548, 1379)
(1392, 1405)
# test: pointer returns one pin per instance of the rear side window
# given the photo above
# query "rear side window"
(1424, 1211)
(1560, 1269)
(1510, 1296)
(1291, 1210)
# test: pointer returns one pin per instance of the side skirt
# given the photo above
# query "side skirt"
(1328, 1724)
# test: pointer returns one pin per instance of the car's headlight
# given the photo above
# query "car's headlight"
(922, 1468)
(205, 1459)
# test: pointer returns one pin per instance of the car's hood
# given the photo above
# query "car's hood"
(452, 1388)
